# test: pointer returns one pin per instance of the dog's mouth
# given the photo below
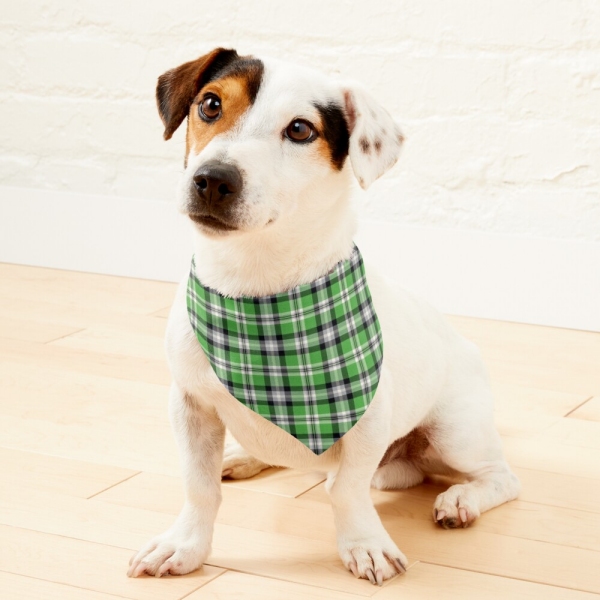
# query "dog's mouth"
(211, 222)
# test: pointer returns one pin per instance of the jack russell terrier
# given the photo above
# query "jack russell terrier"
(277, 333)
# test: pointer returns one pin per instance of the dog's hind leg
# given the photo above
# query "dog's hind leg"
(398, 474)
(238, 464)
(399, 468)
(470, 444)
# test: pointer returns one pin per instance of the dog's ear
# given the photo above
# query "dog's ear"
(177, 88)
(375, 138)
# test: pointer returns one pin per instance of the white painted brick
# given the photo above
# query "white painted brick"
(454, 152)
(565, 87)
(418, 86)
(535, 211)
(550, 151)
(10, 59)
(511, 24)
(102, 66)
(83, 128)
(499, 99)
(34, 14)
(56, 174)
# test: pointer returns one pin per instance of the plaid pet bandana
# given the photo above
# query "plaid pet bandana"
(308, 360)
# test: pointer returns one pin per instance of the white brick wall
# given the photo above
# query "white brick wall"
(500, 99)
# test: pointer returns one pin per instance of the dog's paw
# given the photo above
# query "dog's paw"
(372, 559)
(396, 475)
(238, 464)
(170, 554)
(456, 507)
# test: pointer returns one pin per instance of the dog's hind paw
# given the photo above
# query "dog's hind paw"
(238, 464)
(456, 507)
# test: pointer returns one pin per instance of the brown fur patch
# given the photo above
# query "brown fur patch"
(377, 145)
(236, 98)
(350, 110)
(177, 88)
(365, 145)
(411, 447)
(322, 148)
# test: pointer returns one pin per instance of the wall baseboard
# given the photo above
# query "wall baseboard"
(531, 280)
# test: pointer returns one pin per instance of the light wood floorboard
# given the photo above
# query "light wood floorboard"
(89, 469)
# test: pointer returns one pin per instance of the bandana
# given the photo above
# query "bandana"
(308, 359)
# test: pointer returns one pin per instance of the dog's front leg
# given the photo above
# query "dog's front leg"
(184, 547)
(364, 545)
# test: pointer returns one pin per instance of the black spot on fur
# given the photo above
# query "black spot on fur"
(335, 132)
(365, 145)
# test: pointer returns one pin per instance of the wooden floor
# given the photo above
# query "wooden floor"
(89, 470)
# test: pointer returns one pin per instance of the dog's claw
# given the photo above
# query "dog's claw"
(439, 515)
(354, 569)
(137, 569)
(379, 577)
(371, 576)
(399, 566)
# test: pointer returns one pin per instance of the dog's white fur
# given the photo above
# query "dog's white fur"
(295, 222)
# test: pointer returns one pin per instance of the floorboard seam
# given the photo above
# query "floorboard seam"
(76, 587)
(555, 585)
(113, 485)
(312, 585)
(578, 406)
(70, 537)
(205, 584)
(62, 337)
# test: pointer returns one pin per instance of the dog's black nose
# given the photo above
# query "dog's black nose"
(217, 182)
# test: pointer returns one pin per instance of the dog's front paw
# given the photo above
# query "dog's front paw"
(172, 553)
(372, 559)
(238, 464)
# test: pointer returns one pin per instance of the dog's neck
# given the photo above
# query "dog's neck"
(297, 250)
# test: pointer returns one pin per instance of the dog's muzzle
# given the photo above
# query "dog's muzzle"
(216, 187)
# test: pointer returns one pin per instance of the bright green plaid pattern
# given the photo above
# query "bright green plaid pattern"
(308, 360)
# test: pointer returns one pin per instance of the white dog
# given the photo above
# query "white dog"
(266, 187)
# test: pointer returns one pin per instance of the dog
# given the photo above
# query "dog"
(271, 149)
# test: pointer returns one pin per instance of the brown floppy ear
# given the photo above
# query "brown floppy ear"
(177, 88)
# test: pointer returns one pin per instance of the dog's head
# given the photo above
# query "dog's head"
(265, 138)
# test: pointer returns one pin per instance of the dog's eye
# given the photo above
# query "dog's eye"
(210, 108)
(299, 130)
